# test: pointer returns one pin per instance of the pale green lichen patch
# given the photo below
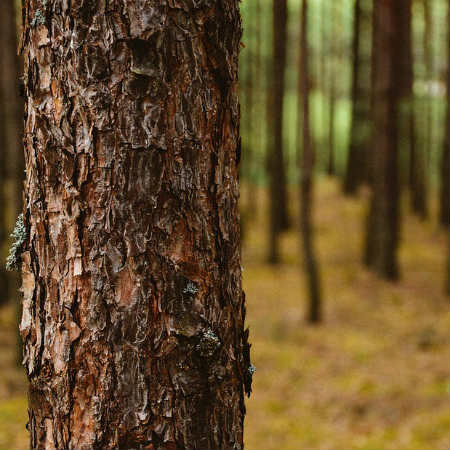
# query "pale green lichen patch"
(190, 288)
(19, 235)
(209, 343)
(39, 18)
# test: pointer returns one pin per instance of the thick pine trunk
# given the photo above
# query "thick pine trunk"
(383, 220)
(306, 177)
(133, 312)
(277, 172)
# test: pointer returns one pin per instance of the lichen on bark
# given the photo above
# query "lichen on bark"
(19, 236)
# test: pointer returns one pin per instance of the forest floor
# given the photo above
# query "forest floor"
(374, 375)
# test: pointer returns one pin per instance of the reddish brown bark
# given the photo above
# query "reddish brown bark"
(133, 318)
(306, 176)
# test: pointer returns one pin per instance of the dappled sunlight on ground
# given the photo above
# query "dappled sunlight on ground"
(373, 376)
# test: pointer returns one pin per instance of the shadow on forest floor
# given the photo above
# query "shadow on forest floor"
(373, 376)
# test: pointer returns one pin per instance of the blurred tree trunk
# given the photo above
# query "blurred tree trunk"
(331, 169)
(419, 159)
(276, 167)
(384, 218)
(444, 209)
(133, 318)
(247, 76)
(253, 89)
(11, 131)
(369, 172)
(306, 175)
(359, 133)
(4, 213)
(428, 59)
(324, 68)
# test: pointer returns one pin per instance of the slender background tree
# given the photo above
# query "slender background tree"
(306, 176)
(279, 220)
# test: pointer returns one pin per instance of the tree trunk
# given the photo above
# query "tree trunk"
(419, 154)
(4, 223)
(428, 60)
(369, 163)
(331, 170)
(356, 172)
(306, 177)
(444, 210)
(275, 158)
(324, 79)
(253, 67)
(133, 311)
(383, 219)
(11, 124)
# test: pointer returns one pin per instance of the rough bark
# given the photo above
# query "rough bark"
(306, 177)
(356, 172)
(275, 157)
(11, 130)
(383, 219)
(133, 312)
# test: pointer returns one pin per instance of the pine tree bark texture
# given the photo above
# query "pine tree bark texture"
(133, 312)
(383, 220)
